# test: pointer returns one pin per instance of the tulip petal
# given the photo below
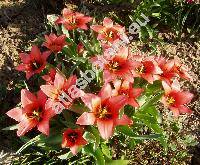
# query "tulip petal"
(132, 102)
(49, 90)
(106, 128)
(106, 92)
(41, 97)
(86, 119)
(21, 67)
(74, 149)
(124, 120)
(175, 111)
(166, 87)
(29, 75)
(35, 53)
(108, 22)
(184, 109)
(87, 99)
(25, 125)
(27, 98)
(43, 126)
(116, 103)
(183, 97)
(25, 58)
(59, 81)
(15, 113)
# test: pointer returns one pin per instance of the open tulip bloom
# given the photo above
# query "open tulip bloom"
(104, 111)
(127, 87)
(32, 113)
(34, 62)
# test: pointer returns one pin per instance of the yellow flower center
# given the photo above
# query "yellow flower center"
(170, 100)
(103, 114)
(140, 69)
(113, 66)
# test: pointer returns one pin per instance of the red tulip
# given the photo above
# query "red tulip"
(189, 1)
(80, 48)
(50, 77)
(167, 69)
(181, 69)
(147, 69)
(117, 66)
(33, 113)
(175, 99)
(73, 20)
(126, 88)
(54, 43)
(73, 139)
(104, 111)
(34, 62)
(108, 32)
(60, 92)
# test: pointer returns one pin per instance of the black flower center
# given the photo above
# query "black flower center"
(72, 137)
(36, 65)
(35, 114)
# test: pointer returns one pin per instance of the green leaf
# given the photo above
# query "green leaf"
(97, 154)
(128, 132)
(65, 31)
(106, 150)
(95, 132)
(118, 162)
(66, 156)
(153, 88)
(13, 127)
(156, 15)
(152, 101)
(30, 142)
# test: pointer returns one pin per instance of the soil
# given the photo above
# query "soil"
(22, 21)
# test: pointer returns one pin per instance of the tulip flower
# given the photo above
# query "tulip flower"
(80, 48)
(34, 62)
(73, 139)
(32, 113)
(181, 69)
(73, 20)
(108, 32)
(54, 43)
(126, 88)
(62, 92)
(104, 111)
(117, 66)
(175, 99)
(50, 77)
(147, 69)
(166, 66)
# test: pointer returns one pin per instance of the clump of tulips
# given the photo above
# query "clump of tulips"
(90, 91)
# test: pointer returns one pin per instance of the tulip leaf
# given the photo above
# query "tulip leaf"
(12, 127)
(95, 132)
(65, 31)
(117, 162)
(30, 142)
(66, 156)
(128, 132)
(97, 154)
(151, 101)
(106, 151)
